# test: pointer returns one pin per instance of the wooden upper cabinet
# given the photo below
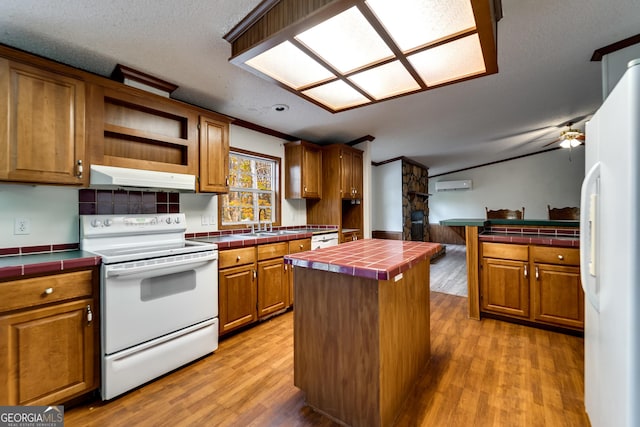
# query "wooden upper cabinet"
(356, 174)
(214, 155)
(42, 139)
(132, 128)
(351, 173)
(303, 162)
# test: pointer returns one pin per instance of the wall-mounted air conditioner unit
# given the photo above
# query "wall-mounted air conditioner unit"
(463, 184)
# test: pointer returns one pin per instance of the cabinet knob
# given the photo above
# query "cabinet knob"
(301, 246)
(48, 291)
(560, 257)
(305, 189)
(526, 271)
(79, 169)
(238, 258)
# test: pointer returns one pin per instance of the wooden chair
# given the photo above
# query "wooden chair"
(504, 214)
(570, 212)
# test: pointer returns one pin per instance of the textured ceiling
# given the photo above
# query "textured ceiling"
(545, 74)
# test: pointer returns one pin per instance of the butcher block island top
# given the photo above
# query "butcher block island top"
(361, 327)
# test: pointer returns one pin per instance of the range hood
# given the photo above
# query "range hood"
(111, 177)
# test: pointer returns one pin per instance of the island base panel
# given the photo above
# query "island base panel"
(360, 344)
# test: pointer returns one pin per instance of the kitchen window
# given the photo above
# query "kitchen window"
(254, 186)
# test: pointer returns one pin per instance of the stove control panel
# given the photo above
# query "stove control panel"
(92, 225)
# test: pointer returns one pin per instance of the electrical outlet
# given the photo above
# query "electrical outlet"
(22, 226)
(204, 220)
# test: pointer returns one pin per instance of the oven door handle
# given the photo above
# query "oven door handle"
(148, 266)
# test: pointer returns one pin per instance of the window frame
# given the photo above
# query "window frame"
(277, 203)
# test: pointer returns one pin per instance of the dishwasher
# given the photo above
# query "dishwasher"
(324, 240)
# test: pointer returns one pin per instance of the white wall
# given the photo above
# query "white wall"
(552, 178)
(51, 210)
(387, 197)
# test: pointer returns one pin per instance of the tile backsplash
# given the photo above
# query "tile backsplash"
(105, 202)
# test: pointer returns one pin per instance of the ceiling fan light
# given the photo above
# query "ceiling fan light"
(575, 142)
(565, 143)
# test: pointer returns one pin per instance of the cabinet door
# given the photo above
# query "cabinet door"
(505, 287)
(214, 155)
(356, 174)
(47, 354)
(237, 292)
(346, 179)
(311, 172)
(272, 287)
(303, 162)
(42, 134)
(557, 295)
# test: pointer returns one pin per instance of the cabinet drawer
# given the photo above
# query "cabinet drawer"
(553, 255)
(235, 257)
(505, 251)
(299, 245)
(272, 250)
(43, 290)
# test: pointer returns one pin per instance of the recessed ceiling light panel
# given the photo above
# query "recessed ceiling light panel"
(343, 54)
(448, 62)
(289, 65)
(337, 95)
(415, 23)
(386, 80)
(347, 41)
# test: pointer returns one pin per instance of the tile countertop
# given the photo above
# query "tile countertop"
(482, 222)
(531, 239)
(233, 240)
(14, 266)
(376, 259)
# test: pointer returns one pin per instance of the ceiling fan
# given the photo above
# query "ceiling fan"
(569, 138)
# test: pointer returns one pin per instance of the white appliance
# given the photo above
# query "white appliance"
(158, 296)
(326, 240)
(114, 177)
(610, 256)
(463, 184)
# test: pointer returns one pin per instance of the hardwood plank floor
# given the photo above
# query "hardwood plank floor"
(449, 272)
(482, 373)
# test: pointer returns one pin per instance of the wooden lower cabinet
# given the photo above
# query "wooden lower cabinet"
(349, 236)
(505, 287)
(556, 290)
(237, 289)
(540, 284)
(48, 339)
(273, 284)
(237, 297)
(255, 283)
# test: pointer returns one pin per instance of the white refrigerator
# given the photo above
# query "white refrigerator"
(610, 259)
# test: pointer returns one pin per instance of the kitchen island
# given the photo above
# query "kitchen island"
(361, 327)
(539, 232)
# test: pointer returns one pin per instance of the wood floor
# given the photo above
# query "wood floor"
(482, 373)
(449, 272)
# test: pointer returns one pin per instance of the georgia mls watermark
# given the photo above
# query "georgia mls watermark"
(31, 416)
